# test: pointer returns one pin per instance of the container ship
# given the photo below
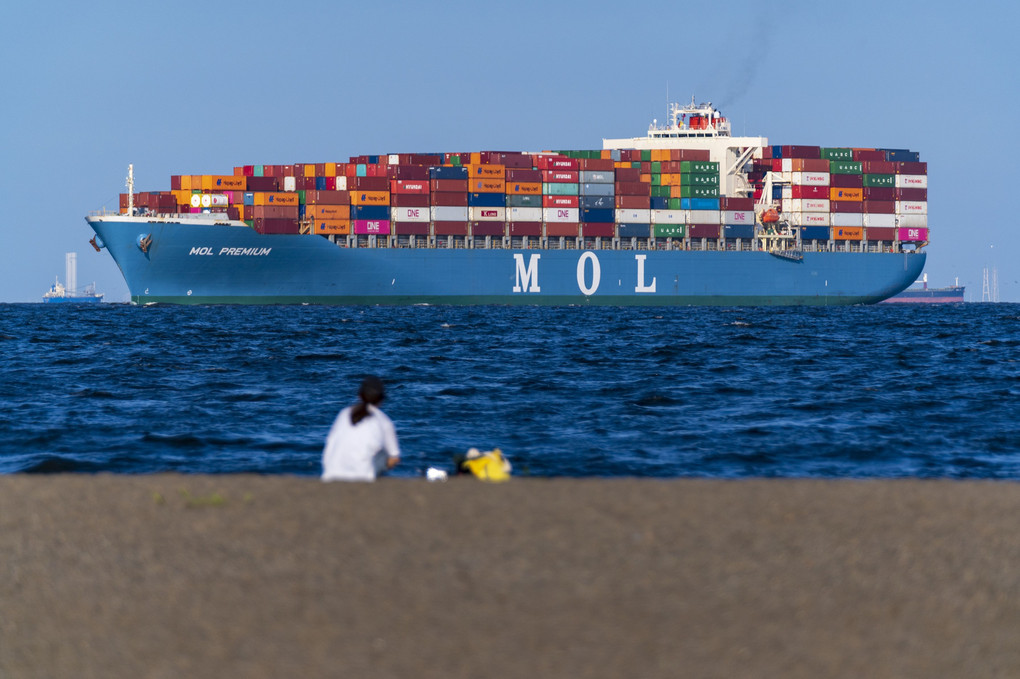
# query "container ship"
(922, 294)
(686, 214)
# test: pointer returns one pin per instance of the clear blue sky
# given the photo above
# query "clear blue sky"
(198, 87)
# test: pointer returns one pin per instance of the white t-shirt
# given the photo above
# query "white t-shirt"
(356, 452)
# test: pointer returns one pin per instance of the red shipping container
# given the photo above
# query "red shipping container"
(691, 154)
(879, 193)
(880, 207)
(328, 197)
(598, 230)
(633, 189)
(911, 194)
(736, 203)
(810, 165)
(299, 170)
(408, 172)
(777, 164)
(449, 185)
(409, 185)
(596, 164)
(802, 152)
(847, 206)
(878, 167)
(703, 230)
(628, 174)
(514, 160)
(869, 155)
(847, 181)
(488, 228)
(371, 183)
(451, 199)
(633, 202)
(233, 213)
(277, 226)
(450, 228)
(409, 199)
(525, 228)
(175, 182)
(276, 211)
(306, 184)
(911, 168)
(766, 153)
(560, 176)
(558, 229)
(248, 213)
(881, 233)
(560, 201)
(557, 162)
(411, 228)
(523, 175)
(263, 184)
(810, 191)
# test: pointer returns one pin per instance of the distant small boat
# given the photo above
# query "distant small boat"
(60, 294)
(925, 295)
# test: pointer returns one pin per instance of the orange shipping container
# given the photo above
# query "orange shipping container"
(330, 170)
(266, 198)
(186, 183)
(848, 233)
(476, 171)
(646, 178)
(309, 170)
(332, 226)
(182, 197)
(370, 197)
(487, 186)
(668, 180)
(836, 193)
(328, 211)
(660, 155)
(525, 188)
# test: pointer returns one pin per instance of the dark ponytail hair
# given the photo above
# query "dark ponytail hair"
(371, 392)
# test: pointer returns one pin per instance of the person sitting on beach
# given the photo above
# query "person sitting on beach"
(362, 442)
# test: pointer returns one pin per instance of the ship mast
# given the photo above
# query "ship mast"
(131, 189)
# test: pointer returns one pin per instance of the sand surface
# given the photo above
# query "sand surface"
(249, 576)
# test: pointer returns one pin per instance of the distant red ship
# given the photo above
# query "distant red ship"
(925, 295)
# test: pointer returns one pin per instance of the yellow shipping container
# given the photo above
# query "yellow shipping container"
(847, 233)
(476, 171)
(621, 164)
(268, 198)
(675, 190)
(370, 197)
(525, 188)
(332, 226)
(669, 179)
(186, 183)
(182, 197)
(607, 154)
(310, 170)
(836, 193)
(646, 178)
(330, 169)
(487, 186)
(328, 211)
(660, 155)
(476, 158)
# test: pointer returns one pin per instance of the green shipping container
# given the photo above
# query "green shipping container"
(674, 204)
(260, 171)
(879, 180)
(661, 191)
(522, 200)
(699, 167)
(845, 167)
(646, 155)
(699, 180)
(699, 191)
(559, 189)
(250, 223)
(837, 154)
(656, 167)
(301, 197)
(669, 230)
(455, 161)
(656, 180)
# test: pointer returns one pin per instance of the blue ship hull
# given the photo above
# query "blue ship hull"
(206, 263)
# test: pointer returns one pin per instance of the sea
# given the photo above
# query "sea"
(884, 391)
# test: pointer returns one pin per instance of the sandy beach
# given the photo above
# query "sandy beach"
(251, 576)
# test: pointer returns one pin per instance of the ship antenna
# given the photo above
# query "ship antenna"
(131, 189)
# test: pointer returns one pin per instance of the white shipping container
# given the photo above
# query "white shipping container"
(393, 159)
(787, 193)
(449, 213)
(341, 183)
(217, 200)
(597, 176)
(669, 216)
(703, 217)
(486, 214)
(911, 181)
(562, 214)
(410, 214)
(787, 164)
(633, 216)
(525, 214)
(785, 175)
(911, 207)
(737, 217)
(289, 184)
(847, 219)
(879, 220)
(912, 221)
(808, 205)
(811, 178)
(810, 218)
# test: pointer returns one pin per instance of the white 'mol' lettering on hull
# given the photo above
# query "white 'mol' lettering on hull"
(527, 277)
(641, 287)
(596, 273)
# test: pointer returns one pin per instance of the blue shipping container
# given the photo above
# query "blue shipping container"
(699, 203)
(777, 151)
(249, 198)
(320, 184)
(660, 203)
(598, 215)
(901, 156)
(777, 193)
(738, 231)
(448, 173)
(597, 189)
(361, 170)
(814, 233)
(370, 212)
(634, 230)
(487, 199)
(595, 202)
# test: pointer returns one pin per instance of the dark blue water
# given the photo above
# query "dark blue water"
(879, 391)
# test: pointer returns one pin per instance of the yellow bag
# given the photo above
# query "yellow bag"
(488, 466)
